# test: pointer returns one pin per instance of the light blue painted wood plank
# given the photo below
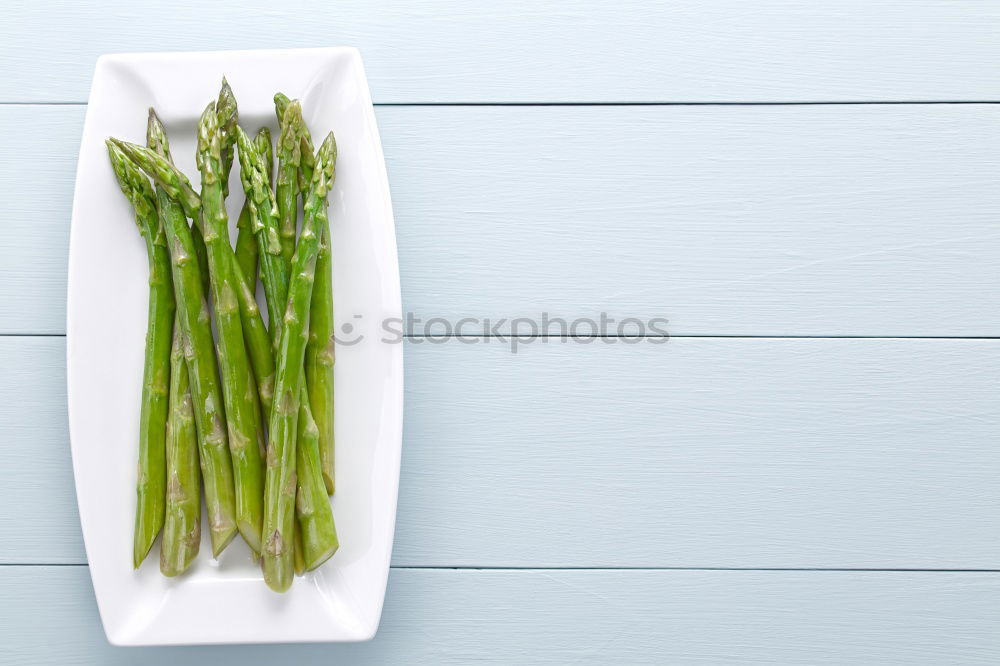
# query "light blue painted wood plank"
(561, 617)
(36, 196)
(35, 465)
(548, 51)
(803, 220)
(699, 452)
(815, 220)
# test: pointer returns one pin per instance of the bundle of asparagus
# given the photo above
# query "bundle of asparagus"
(248, 413)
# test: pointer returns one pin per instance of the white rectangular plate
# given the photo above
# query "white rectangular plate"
(226, 601)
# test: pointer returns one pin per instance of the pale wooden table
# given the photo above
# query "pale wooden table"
(807, 472)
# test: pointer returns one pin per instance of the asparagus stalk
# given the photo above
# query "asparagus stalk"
(259, 342)
(280, 487)
(315, 518)
(273, 270)
(262, 142)
(320, 355)
(256, 337)
(245, 439)
(228, 119)
(151, 484)
(281, 104)
(193, 316)
(289, 150)
(246, 241)
(182, 526)
(320, 358)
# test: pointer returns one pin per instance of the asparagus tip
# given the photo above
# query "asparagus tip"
(156, 135)
(281, 102)
(226, 105)
(133, 183)
(326, 156)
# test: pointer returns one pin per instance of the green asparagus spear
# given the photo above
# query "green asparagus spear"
(273, 270)
(320, 358)
(151, 485)
(280, 487)
(206, 393)
(228, 117)
(193, 316)
(238, 393)
(246, 244)
(246, 241)
(281, 102)
(182, 526)
(289, 150)
(320, 355)
(306, 148)
(262, 142)
(259, 342)
(315, 518)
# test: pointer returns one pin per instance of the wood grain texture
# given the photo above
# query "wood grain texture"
(580, 617)
(803, 220)
(35, 463)
(36, 181)
(548, 51)
(699, 452)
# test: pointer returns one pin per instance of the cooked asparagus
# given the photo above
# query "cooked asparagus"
(215, 400)
(227, 115)
(280, 486)
(289, 151)
(151, 484)
(320, 356)
(182, 524)
(245, 439)
(246, 241)
(315, 518)
(273, 270)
